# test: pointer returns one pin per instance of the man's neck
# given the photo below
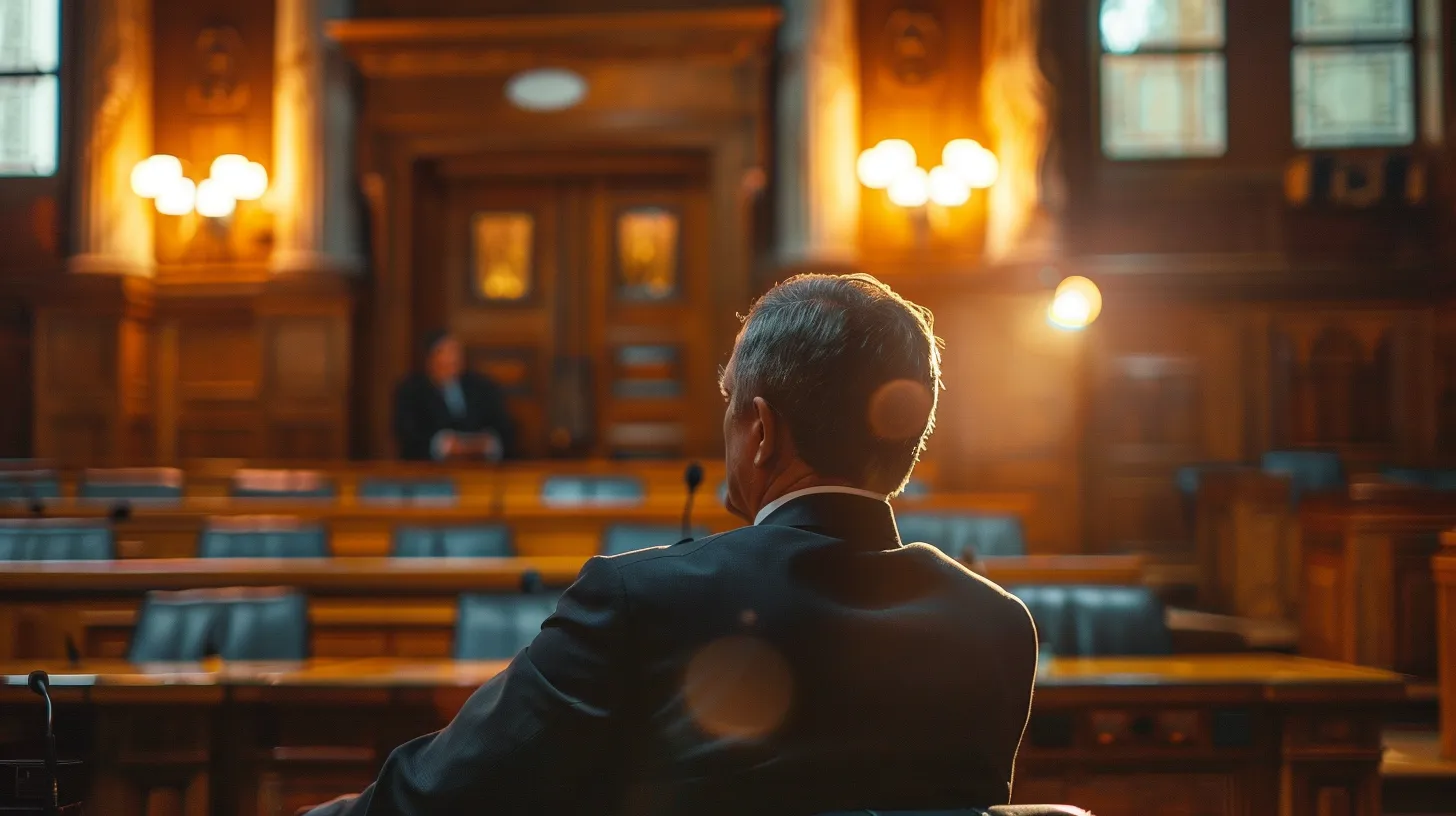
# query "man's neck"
(791, 482)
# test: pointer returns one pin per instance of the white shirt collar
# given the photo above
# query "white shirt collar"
(810, 491)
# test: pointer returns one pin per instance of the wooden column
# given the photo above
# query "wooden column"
(1445, 568)
(316, 227)
(818, 133)
(112, 227)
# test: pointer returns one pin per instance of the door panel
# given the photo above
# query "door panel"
(585, 295)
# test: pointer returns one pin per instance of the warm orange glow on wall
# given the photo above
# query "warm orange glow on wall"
(891, 166)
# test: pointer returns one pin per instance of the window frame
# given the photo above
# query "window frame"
(58, 75)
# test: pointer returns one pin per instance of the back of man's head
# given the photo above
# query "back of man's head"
(851, 367)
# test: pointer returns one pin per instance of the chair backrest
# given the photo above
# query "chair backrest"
(1308, 471)
(56, 540)
(408, 491)
(281, 484)
(263, 537)
(25, 485)
(234, 624)
(1428, 478)
(964, 535)
(476, 541)
(495, 626)
(1189, 477)
(622, 538)
(570, 491)
(137, 484)
(1097, 621)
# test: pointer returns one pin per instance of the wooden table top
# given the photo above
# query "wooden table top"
(1191, 678)
(354, 575)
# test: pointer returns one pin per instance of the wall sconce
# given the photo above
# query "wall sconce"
(231, 178)
(1075, 305)
(893, 166)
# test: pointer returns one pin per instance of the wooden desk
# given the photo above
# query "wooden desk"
(170, 530)
(1246, 534)
(357, 606)
(1209, 735)
(1444, 566)
(1368, 595)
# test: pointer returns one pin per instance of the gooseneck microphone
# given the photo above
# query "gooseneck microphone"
(40, 683)
(693, 476)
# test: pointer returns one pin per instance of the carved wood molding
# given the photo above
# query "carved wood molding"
(486, 46)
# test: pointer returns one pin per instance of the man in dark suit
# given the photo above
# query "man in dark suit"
(448, 412)
(808, 663)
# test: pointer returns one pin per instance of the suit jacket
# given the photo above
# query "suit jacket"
(420, 412)
(806, 665)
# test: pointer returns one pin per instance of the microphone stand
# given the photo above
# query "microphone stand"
(693, 476)
(40, 683)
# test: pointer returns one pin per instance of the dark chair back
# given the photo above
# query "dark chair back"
(1308, 471)
(964, 536)
(21, 484)
(263, 537)
(132, 484)
(281, 484)
(622, 538)
(476, 541)
(1443, 479)
(572, 491)
(1097, 621)
(234, 624)
(408, 491)
(56, 540)
(495, 626)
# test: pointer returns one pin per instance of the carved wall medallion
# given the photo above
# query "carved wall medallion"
(219, 88)
(914, 46)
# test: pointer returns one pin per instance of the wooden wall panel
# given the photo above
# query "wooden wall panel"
(15, 372)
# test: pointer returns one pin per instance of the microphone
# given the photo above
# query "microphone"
(73, 654)
(120, 512)
(693, 476)
(40, 683)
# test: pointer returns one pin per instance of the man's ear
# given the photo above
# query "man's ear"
(766, 430)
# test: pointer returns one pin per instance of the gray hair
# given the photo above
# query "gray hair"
(851, 367)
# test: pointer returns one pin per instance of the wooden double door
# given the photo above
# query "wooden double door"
(583, 285)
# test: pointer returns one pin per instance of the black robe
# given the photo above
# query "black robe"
(420, 412)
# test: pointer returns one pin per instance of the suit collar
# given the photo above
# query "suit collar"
(848, 516)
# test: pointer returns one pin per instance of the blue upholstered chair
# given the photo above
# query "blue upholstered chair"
(56, 540)
(476, 541)
(28, 485)
(964, 536)
(622, 538)
(1308, 471)
(234, 624)
(263, 537)
(1428, 478)
(571, 491)
(408, 491)
(1097, 621)
(281, 484)
(495, 626)
(132, 484)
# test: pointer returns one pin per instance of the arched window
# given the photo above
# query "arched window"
(30, 88)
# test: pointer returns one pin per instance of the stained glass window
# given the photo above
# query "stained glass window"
(1355, 73)
(30, 50)
(1163, 79)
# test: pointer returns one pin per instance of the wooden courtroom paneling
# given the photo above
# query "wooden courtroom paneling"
(15, 372)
